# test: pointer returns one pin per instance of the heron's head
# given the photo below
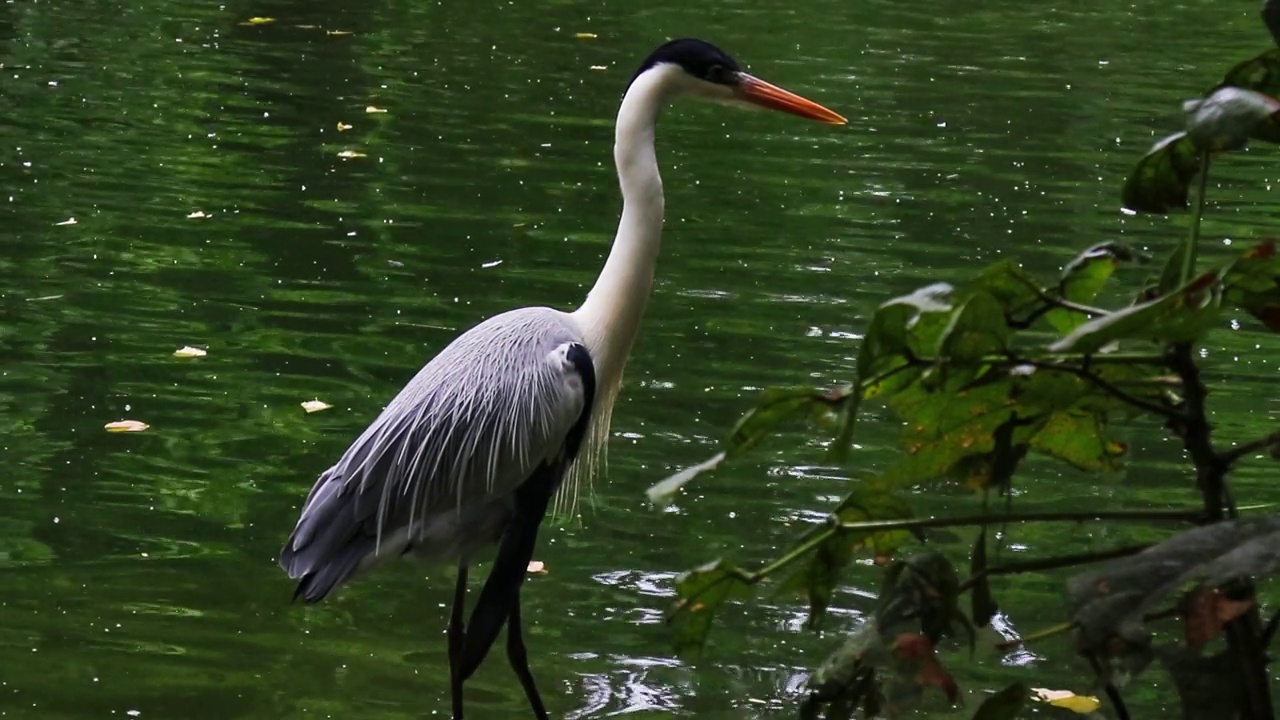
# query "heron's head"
(699, 69)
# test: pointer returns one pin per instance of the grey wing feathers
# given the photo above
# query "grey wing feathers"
(440, 462)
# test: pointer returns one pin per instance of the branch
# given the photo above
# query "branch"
(1232, 456)
(1062, 516)
(1161, 410)
(1052, 563)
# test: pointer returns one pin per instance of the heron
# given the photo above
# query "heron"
(514, 412)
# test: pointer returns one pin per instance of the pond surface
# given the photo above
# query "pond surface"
(323, 201)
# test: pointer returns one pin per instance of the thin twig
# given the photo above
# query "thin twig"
(1232, 456)
(1052, 563)
(1191, 516)
(1109, 388)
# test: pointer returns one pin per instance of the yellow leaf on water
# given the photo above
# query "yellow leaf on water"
(351, 154)
(68, 221)
(537, 567)
(307, 27)
(126, 426)
(1067, 700)
(374, 109)
(599, 67)
(343, 127)
(258, 21)
(315, 405)
(196, 214)
(585, 36)
(186, 351)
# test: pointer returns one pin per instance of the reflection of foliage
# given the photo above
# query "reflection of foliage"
(982, 374)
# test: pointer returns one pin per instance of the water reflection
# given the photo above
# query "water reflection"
(139, 567)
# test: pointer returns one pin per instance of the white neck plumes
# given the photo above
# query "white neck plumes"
(610, 316)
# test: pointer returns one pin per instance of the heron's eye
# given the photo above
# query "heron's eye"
(720, 75)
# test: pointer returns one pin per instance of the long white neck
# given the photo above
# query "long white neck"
(610, 316)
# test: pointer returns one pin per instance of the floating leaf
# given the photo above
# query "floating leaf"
(1080, 704)
(351, 154)
(373, 110)
(537, 567)
(662, 493)
(585, 36)
(337, 32)
(1161, 181)
(1004, 705)
(343, 127)
(121, 426)
(186, 351)
(598, 67)
(701, 592)
(196, 215)
(317, 405)
(68, 221)
(1228, 117)
(258, 21)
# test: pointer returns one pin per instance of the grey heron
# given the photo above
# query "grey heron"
(515, 410)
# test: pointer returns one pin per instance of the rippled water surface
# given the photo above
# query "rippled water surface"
(231, 188)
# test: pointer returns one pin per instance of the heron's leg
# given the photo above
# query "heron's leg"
(520, 661)
(457, 638)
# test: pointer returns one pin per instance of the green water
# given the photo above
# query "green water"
(138, 569)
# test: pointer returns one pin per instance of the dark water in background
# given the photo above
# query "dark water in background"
(139, 576)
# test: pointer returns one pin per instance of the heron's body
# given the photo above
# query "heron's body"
(471, 452)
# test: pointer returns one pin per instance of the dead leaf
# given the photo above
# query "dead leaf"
(1081, 704)
(1205, 613)
(537, 567)
(68, 221)
(186, 351)
(373, 109)
(351, 154)
(316, 405)
(598, 67)
(196, 214)
(343, 127)
(258, 21)
(337, 32)
(126, 426)
(585, 36)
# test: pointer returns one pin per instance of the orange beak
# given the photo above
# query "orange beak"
(758, 92)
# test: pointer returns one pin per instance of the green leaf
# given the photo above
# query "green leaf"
(983, 603)
(1004, 705)
(976, 329)
(1083, 278)
(1261, 73)
(1078, 438)
(903, 328)
(1161, 181)
(944, 425)
(1012, 288)
(1228, 117)
(1171, 273)
(1181, 316)
(701, 592)
(820, 575)
(1111, 601)
(1252, 283)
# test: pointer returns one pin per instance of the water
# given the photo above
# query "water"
(139, 569)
